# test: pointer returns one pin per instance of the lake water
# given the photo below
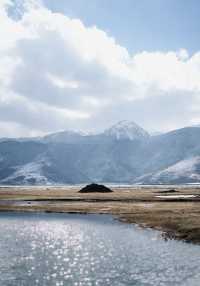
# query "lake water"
(64, 249)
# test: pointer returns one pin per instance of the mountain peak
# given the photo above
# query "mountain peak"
(126, 130)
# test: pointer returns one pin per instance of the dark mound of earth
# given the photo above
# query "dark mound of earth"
(95, 188)
(170, 191)
(167, 191)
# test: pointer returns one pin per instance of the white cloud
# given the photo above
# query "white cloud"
(168, 71)
(62, 83)
(57, 73)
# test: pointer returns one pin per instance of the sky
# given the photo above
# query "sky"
(86, 64)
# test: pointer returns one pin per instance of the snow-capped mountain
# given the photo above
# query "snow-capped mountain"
(124, 153)
(126, 130)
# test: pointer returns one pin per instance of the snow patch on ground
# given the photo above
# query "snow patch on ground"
(176, 196)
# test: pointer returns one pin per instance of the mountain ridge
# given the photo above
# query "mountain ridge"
(123, 153)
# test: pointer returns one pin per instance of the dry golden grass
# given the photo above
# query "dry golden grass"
(177, 218)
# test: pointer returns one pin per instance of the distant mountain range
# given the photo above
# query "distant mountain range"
(124, 153)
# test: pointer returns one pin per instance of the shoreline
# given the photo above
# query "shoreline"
(177, 217)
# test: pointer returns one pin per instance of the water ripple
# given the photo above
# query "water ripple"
(55, 249)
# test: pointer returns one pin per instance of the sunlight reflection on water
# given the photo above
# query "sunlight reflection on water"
(61, 249)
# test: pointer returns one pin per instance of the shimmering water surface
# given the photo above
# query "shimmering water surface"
(61, 249)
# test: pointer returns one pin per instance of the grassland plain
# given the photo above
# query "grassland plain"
(176, 214)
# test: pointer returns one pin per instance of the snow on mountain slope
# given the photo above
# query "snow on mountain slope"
(183, 167)
(28, 173)
(123, 153)
(185, 170)
(126, 130)
(121, 130)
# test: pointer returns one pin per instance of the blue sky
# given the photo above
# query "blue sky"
(140, 24)
(69, 64)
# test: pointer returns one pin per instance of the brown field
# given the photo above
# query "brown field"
(177, 217)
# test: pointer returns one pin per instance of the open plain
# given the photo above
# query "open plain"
(176, 212)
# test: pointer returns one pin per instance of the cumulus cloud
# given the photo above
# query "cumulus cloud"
(56, 73)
